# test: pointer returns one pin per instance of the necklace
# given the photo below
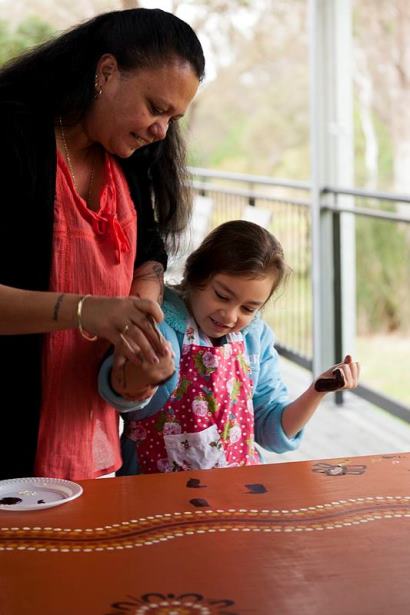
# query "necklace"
(70, 166)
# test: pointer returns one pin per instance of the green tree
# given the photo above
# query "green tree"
(30, 32)
(383, 274)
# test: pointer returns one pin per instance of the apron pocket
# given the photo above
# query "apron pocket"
(201, 450)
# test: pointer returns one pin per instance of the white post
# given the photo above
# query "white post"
(331, 111)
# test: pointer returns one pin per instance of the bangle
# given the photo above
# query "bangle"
(84, 334)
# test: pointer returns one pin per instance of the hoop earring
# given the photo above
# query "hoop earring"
(97, 87)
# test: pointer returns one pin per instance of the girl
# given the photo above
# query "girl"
(226, 393)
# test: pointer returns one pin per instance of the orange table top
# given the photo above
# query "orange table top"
(304, 537)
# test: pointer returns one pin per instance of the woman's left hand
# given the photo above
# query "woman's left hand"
(128, 323)
(341, 376)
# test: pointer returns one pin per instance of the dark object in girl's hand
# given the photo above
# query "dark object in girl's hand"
(330, 384)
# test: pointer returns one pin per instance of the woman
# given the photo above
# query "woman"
(89, 142)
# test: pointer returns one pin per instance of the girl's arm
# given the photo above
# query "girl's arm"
(270, 396)
(139, 382)
(111, 391)
(278, 420)
(297, 413)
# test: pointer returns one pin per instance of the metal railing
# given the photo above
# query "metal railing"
(288, 208)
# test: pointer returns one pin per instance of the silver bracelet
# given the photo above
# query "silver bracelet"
(84, 334)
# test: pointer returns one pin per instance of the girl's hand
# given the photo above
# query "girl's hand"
(128, 323)
(344, 375)
(139, 382)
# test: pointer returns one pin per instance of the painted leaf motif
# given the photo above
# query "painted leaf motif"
(243, 363)
(161, 420)
(251, 446)
(199, 364)
(225, 434)
(236, 387)
(182, 388)
(212, 405)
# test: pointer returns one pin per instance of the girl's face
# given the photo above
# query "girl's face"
(228, 303)
(136, 108)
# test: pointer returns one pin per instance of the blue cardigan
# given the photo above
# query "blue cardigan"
(270, 396)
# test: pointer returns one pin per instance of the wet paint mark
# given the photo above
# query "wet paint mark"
(256, 488)
(199, 502)
(9, 501)
(194, 483)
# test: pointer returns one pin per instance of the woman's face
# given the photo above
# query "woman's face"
(136, 108)
(228, 303)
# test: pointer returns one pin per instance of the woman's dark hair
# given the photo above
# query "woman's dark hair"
(238, 248)
(57, 79)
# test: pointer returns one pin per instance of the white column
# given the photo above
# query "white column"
(331, 110)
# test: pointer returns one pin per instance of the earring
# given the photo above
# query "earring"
(97, 87)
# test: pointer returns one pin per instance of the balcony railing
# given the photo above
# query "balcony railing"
(284, 207)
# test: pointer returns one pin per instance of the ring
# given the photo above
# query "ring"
(126, 342)
(125, 329)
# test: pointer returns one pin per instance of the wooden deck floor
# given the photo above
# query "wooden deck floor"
(356, 428)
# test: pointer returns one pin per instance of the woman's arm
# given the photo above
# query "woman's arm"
(23, 312)
(148, 281)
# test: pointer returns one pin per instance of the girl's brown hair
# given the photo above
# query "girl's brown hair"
(238, 248)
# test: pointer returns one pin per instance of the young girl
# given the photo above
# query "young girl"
(226, 393)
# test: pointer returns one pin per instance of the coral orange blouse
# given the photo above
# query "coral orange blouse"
(93, 253)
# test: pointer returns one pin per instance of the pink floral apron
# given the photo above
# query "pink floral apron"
(208, 422)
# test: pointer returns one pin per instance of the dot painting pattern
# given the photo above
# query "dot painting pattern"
(183, 604)
(156, 529)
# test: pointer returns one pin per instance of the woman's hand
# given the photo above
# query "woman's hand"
(128, 323)
(343, 375)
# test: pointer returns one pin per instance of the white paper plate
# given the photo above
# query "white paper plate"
(36, 493)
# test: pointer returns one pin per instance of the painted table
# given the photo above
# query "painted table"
(322, 537)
